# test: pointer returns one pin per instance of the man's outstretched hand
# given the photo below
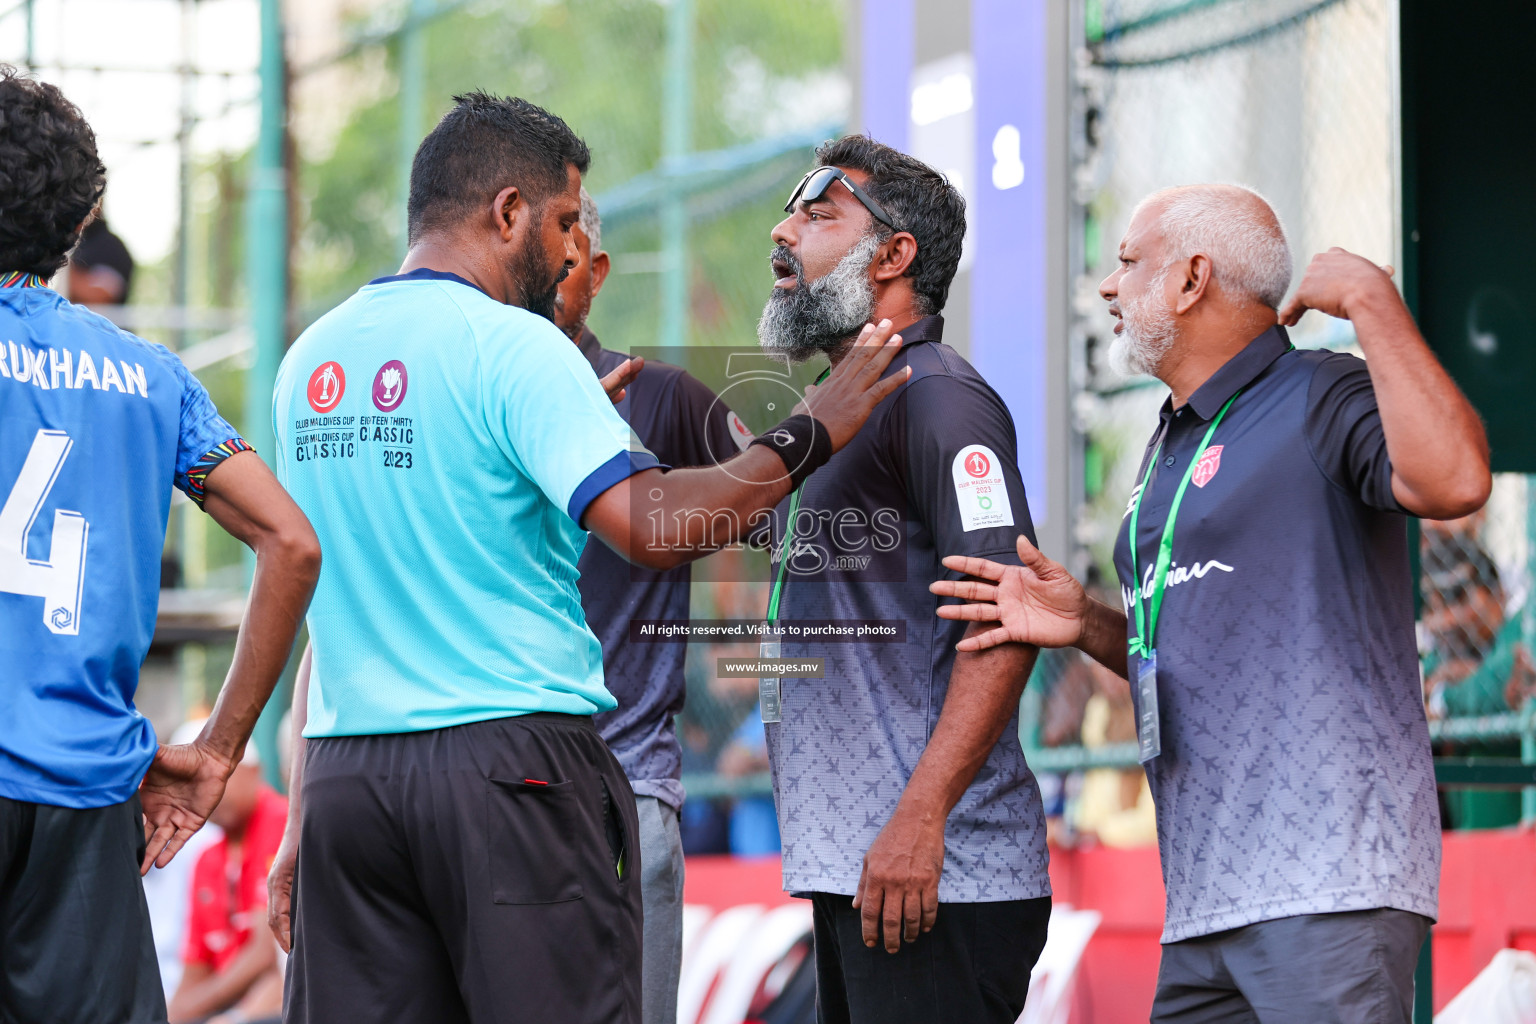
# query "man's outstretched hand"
(182, 787)
(843, 401)
(1035, 603)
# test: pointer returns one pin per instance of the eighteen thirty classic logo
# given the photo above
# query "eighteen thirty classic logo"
(389, 386)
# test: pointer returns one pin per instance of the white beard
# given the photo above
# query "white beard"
(1148, 333)
(820, 315)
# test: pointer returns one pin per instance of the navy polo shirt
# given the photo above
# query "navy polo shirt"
(681, 421)
(934, 472)
(1295, 775)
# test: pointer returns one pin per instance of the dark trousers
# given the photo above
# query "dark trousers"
(75, 944)
(1347, 968)
(972, 968)
(483, 873)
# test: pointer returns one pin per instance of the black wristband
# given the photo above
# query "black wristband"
(802, 443)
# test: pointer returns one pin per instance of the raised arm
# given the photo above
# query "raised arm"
(1438, 448)
(1037, 603)
(186, 782)
(660, 519)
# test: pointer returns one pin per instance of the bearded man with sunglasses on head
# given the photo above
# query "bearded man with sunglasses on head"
(908, 814)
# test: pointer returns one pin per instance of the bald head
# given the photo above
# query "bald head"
(1232, 226)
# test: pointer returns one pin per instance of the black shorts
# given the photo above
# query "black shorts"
(75, 944)
(487, 873)
(972, 968)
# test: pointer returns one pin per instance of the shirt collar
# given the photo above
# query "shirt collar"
(590, 346)
(1238, 372)
(21, 279)
(427, 274)
(929, 328)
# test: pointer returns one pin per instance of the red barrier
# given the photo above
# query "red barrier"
(1487, 903)
(721, 882)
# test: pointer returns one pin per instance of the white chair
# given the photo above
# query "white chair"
(713, 949)
(771, 937)
(1050, 983)
(695, 918)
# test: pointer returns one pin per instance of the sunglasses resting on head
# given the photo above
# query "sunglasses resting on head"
(815, 184)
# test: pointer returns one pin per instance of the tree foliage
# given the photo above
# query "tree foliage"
(759, 66)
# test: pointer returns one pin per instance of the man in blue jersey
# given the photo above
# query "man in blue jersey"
(467, 846)
(95, 427)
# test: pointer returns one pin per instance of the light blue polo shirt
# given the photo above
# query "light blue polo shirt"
(445, 446)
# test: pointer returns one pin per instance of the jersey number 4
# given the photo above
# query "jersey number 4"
(60, 579)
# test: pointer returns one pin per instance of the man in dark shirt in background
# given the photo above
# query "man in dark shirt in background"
(100, 268)
(683, 424)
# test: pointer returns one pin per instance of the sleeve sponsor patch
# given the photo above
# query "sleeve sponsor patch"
(739, 432)
(980, 489)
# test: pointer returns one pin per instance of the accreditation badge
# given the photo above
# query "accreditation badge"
(1149, 728)
(768, 686)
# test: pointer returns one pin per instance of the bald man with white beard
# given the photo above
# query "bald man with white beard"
(1267, 622)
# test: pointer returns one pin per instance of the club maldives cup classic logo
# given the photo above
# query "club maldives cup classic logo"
(389, 386)
(1205, 469)
(326, 386)
(977, 464)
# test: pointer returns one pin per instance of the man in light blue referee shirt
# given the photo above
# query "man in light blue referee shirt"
(467, 846)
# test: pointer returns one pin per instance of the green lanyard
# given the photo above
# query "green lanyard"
(789, 533)
(1146, 621)
(778, 578)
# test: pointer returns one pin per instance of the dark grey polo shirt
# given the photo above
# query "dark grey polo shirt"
(934, 472)
(679, 420)
(1295, 776)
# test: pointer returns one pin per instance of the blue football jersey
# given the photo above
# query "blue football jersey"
(95, 427)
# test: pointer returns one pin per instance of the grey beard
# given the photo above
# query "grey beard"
(1148, 334)
(820, 315)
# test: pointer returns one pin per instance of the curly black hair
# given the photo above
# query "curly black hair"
(481, 146)
(50, 176)
(918, 198)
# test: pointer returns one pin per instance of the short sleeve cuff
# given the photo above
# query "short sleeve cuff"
(196, 478)
(621, 467)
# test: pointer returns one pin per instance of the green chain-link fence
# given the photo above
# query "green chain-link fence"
(1294, 98)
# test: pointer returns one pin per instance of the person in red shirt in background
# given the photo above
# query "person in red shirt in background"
(233, 969)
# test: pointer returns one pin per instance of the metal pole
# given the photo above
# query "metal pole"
(267, 231)
(413, 65)
(31, 50)
(1528, 641)
(676, 141)
(1528, 755)
(179, 286)
(267, 261)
